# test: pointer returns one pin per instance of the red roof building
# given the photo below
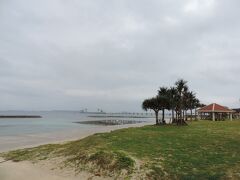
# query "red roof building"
(216, 110)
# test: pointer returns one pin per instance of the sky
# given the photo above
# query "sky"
(75, 54)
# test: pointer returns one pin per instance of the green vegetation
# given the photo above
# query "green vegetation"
(202, 150)
(178, 99)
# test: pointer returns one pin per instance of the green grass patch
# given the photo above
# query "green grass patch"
(202, 150)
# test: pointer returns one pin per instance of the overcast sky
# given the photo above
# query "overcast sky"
(74, 54)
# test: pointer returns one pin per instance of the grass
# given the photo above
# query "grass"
(202, 150)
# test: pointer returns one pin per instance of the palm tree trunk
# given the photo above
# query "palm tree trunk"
(180, 110)
(195, 114)
(156, 114)
(180, 107)
(186, 117)
(163, 115)
(191, 114)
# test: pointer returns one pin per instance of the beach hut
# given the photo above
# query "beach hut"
(215, 112)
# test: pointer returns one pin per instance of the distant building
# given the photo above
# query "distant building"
(236, 115)
(215, 112)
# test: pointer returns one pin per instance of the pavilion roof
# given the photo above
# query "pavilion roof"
(215, 108)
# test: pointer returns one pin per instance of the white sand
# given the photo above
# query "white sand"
(28, 171)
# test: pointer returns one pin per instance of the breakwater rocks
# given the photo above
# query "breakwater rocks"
(109, 122)
(20, 116)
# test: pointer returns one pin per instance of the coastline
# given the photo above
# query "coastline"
(28, 171)
(134, 153)
(9, 143)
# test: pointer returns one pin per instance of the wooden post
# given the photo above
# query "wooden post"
(213, 116)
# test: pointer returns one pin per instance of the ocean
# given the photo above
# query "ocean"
(55, 126)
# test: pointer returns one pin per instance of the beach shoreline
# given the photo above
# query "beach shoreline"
(9, 143)
(28, 171)
(133, 153)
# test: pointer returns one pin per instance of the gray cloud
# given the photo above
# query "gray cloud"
(112, 54)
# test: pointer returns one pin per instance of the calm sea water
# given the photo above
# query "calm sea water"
(53, 121)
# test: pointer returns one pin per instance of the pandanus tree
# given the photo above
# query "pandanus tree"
(182, 88)
(177, 99)
(196, 105)
(173, 99)
(152, 104)
(190, 100)
(163, 95)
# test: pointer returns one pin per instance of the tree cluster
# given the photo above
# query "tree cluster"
(177, 99)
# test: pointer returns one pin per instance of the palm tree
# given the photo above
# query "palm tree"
(177, 99)
(163, 95)
(153, 104)
(172, 97)
(182, 88)
(190, 101)
(196, 105)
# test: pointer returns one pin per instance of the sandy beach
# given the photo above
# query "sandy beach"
(45, 171)
(8, 143)
(26, 170)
